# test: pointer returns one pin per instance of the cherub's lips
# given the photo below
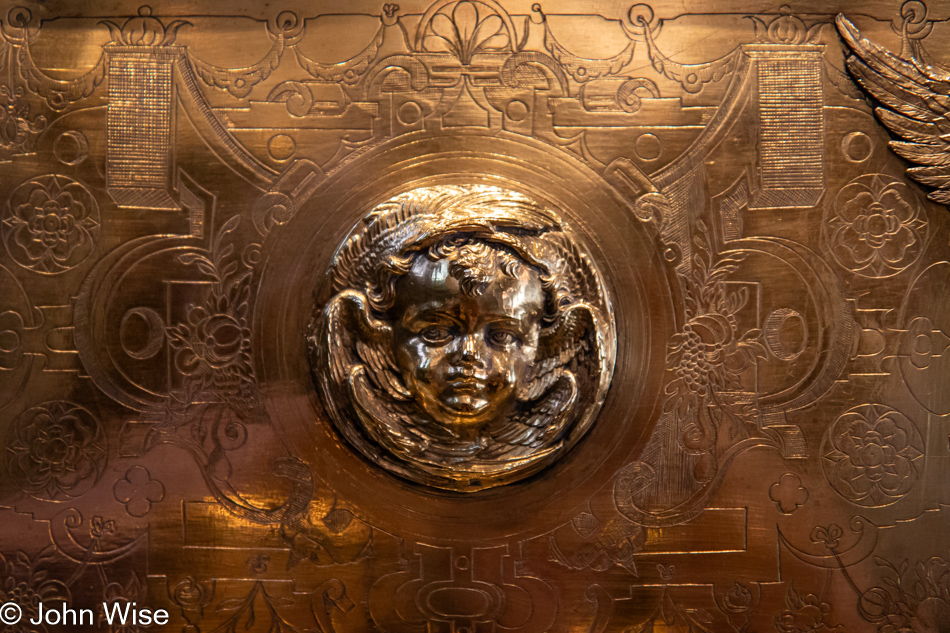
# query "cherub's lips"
(468, 384)
(467, 378)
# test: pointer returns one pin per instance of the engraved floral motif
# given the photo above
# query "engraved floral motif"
(872, 454)
(737, 598)
(805, 614)
(26, 583)
(56, 450)
(18, 130)
(138, 491)
(710, 353)
(465, 30)
(910, 598)
(51, 224)
(144, 30)
(212, 349)
(877, 229)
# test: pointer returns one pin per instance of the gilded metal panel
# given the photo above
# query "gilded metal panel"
(463, 316)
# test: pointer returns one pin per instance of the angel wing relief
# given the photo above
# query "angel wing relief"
(468, 340)
(914, 96)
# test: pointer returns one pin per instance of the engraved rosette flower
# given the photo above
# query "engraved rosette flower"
(872, 456)
(56, 451)
(878, 229)
(50, 224)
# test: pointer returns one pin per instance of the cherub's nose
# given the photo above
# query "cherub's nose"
(471, 350)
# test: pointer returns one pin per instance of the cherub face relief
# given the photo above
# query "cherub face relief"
(465, 338)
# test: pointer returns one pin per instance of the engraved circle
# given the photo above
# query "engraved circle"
(856, 147)
(142, 333)
(516, 110)
(50, 224)
(297, 252)
(786, 333)
(871, 455)
(56, 451)
(281, 147)
(648, 147)
(409, 113)
(71, 147)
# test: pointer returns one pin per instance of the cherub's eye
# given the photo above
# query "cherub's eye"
(436, 334)
(503, 337)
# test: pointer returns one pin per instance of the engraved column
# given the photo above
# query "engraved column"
(790, 153)
(139, 154)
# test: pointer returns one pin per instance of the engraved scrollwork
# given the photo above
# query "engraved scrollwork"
(241, 612)
(240, 81)
(144, 30)
(877, 229)
(50, 224)
(56, 451)
(587, 543)
(347, 72)
(19, 32)
(631, 93)
(212, 349)
(691, 76)
(581, 69)
(870, 455)
(192, 597)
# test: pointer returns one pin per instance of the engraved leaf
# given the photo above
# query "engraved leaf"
(443, 27)
(465, 17)
(171, 32)
(811, 37)
(792, 599)
(494, 43)
(114, 31)
(437, 44)
(487, 35)
(232, 604)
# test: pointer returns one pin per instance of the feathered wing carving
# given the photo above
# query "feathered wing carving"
(352, 327)
(568, 363)
(916, 105)
(359, 353)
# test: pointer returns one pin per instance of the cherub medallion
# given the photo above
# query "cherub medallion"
(469, 341)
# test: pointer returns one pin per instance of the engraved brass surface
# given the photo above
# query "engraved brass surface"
(471, 316)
